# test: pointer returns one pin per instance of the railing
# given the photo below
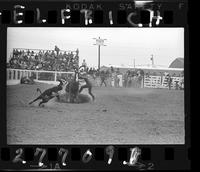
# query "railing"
(14, 75)
(161, 82)
(51, 77)
(38, 50)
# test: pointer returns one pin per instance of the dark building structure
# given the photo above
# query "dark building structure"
(177, 63)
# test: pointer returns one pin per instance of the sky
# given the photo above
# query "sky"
(123, 45)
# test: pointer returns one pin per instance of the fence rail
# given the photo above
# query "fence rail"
(51, 77)
(14, 75)
(161, 82)
(37, 50)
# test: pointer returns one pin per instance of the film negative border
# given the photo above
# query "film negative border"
(95, 14)
(98, 157)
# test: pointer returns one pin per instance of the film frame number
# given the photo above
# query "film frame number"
(18, 158)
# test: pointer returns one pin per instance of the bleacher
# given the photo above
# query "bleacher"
(48, 60)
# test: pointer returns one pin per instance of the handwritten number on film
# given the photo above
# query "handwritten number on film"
(64, 152)
(150, 167)
(18, 158)
(87, 156)
(135, 152)
(38, 150)
(110, 153)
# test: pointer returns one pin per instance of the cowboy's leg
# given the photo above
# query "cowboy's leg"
(90, 92)
(82, 87)
(101, 82)
(105, 82)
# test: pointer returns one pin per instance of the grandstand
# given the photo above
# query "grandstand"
(43, 65)
(49, 60)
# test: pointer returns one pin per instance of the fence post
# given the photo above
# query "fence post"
(20, 74)
(151, 81)
(142, 82)
(160, 82)
(16, 74)
(55, 77)
(36, 75)
(12, 74)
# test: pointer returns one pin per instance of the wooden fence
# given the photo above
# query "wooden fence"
(161, 82)
(51, 77)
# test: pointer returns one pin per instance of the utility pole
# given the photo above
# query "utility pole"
(99, 42)
(152, 60)
(134, 63)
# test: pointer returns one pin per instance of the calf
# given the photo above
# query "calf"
(48, 94)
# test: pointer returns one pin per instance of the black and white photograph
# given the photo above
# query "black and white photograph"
(96, 85)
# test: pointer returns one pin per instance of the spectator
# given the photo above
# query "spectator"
(107, 73)
(117, 72)
(182, 73)
(77, 52)
(84, 63)
(103, 78)
(112, 69)
(176, 85)
(125, 78)
(90, 71)
(129, 81)
(169, 80)
(181, 83)
(57, 50)
(116, 78)
(129, 72)
(28, 52)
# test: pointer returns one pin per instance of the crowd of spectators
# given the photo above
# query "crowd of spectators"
(130, 78)
(133, 78)
(50, 60)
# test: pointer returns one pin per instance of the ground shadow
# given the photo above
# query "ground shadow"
(81, 97)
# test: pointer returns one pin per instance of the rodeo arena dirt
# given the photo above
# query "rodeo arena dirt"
(120, 113)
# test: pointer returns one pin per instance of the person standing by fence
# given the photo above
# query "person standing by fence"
(125, 79)
(176, 85)
(139, 81)
(84, 64)
(169, 81)
(129, 81)
(103, 78)
(57, 50)
(116, 80)
(181, 83)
